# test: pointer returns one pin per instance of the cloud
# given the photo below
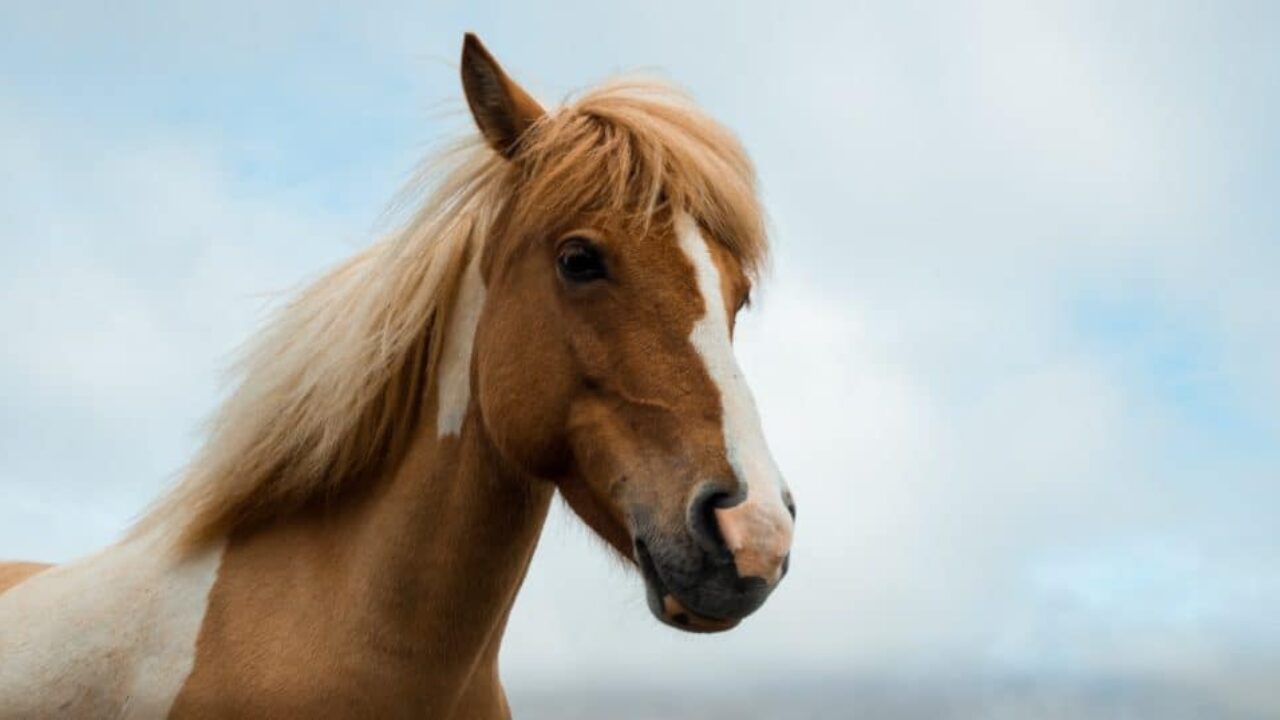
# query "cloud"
(131, 270)
(1017, 355)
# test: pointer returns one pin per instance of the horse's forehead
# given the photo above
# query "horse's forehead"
(661, 257)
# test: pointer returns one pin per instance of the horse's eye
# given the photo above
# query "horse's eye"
(579, 261)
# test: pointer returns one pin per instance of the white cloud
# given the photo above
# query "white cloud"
(131, 271)
(980, 481)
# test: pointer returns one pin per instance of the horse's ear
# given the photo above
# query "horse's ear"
(502, 109)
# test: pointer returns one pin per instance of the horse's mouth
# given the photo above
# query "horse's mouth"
(667, 607)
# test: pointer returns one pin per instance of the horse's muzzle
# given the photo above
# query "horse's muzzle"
(697, 590)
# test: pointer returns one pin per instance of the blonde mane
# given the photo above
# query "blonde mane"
(330, 393)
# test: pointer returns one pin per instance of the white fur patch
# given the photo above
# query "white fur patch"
(110, 635)
(748, 454)
(453, 379)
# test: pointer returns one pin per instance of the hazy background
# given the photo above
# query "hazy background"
(1018, 355)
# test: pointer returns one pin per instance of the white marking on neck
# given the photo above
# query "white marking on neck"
(453, 379)
(110, 635)
(748, 454)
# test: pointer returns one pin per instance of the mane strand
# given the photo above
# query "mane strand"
(330, 392)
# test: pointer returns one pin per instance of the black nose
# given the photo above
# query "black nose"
(703, 526)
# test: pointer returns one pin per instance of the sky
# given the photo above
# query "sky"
(1017, 352)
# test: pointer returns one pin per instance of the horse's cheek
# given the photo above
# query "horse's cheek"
(526, 411)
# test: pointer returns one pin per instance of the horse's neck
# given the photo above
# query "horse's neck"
(444, 546)
(408, 585)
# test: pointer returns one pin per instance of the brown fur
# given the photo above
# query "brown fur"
(371, 563)
(393, 603)
(392, 606)
(12, 573)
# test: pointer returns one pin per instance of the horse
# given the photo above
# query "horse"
(349, 540)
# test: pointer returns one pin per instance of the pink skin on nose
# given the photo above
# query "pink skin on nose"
(759, 538)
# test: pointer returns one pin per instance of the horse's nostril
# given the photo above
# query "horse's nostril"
(702, 518)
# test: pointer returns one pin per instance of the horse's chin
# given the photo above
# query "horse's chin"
(671, 612)
(668, 609)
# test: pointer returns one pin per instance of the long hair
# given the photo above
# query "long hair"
(329, 394)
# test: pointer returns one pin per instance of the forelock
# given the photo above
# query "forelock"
(632, 149)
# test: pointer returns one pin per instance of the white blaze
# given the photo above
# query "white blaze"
(762, 524)
(453, 380)
(111, 635)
